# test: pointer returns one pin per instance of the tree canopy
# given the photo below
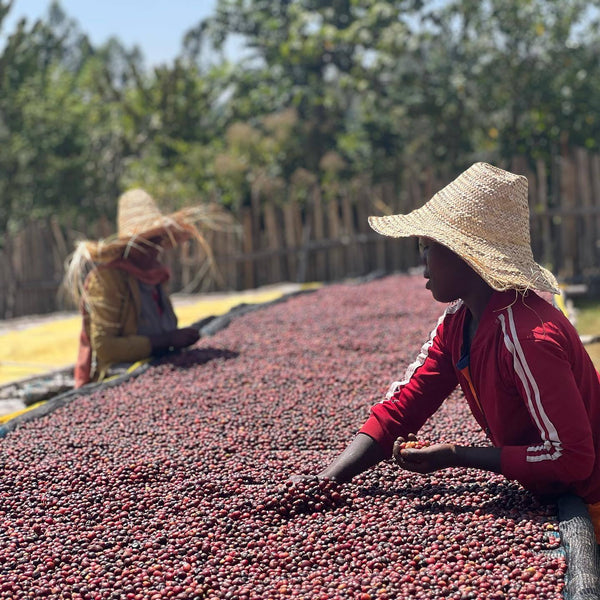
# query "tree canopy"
(322, 92)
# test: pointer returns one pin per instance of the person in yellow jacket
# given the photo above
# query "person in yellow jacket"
(120, 286)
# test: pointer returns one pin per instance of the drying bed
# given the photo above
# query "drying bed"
(175, 483)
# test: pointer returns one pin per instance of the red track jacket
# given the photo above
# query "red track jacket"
(529, 383)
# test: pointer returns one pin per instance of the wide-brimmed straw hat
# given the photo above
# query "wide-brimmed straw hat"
(139, 222)
(139, 216)
(483, 217)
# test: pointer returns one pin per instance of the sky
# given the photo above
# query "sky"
(155, 26)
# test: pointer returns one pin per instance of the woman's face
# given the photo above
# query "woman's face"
(145, 252)
(448, 276)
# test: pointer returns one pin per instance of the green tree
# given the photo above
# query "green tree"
(537, 75)
(321, 91)
(40, 136)
(180, 110)
(320, 59)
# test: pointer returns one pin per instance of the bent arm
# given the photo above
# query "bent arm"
(109, 301)
(475, 457)
(428, 381)
(564, 453)
(362, 453)
(178, 338)
(442, 456)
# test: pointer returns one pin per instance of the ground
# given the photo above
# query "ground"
(37, 345)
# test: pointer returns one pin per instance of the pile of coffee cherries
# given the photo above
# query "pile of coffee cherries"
(416, 444)
(176, 484)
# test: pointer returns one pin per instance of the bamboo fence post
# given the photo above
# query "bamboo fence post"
(569, 229)
(320, 259)
(221, 264)
(21, 258)
(586, 230)
(334, 230)
(519, 165)
(292, 238)
(300, 232)
(184, 266)
(31, 269)
(10, 251)
(595, 183)
(4, 279)
(428, 187)
(541, 213)
(393, 247)
(381, 243)
(50, 274)
(235, 246)
(358, 233)
(227, 267)
(274, 242)
(534, 222)
(60, 243)
(363, 229)
(212, 279)
(555, 177)
(103, 228)
(304, 252)
(415, 199)
(201, 278)
(248, 276)
(349, 236)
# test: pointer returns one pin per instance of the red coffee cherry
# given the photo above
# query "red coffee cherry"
(173, 485)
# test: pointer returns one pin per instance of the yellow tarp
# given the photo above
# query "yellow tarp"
(52, 345)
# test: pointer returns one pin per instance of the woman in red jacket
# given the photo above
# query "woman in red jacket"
(528, 380)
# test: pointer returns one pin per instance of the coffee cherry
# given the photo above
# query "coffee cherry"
(175, 484)
(417, 444)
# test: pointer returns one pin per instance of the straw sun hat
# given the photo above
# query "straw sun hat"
(139, 221)
(483, 217)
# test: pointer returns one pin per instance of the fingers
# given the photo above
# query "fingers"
(409, 456)
(399, 445)
(396, 449)
(427, 458)
(193, 335)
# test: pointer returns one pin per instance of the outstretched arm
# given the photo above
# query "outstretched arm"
(362, 453)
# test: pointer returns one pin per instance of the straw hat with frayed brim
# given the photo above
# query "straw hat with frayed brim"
(483, 217)
(139, 221)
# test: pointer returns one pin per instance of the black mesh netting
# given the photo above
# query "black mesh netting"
(579, 542)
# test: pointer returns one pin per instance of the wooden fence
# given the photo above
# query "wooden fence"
(321, 239)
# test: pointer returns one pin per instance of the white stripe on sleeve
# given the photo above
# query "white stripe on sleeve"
(422, 356)
(551, 447)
